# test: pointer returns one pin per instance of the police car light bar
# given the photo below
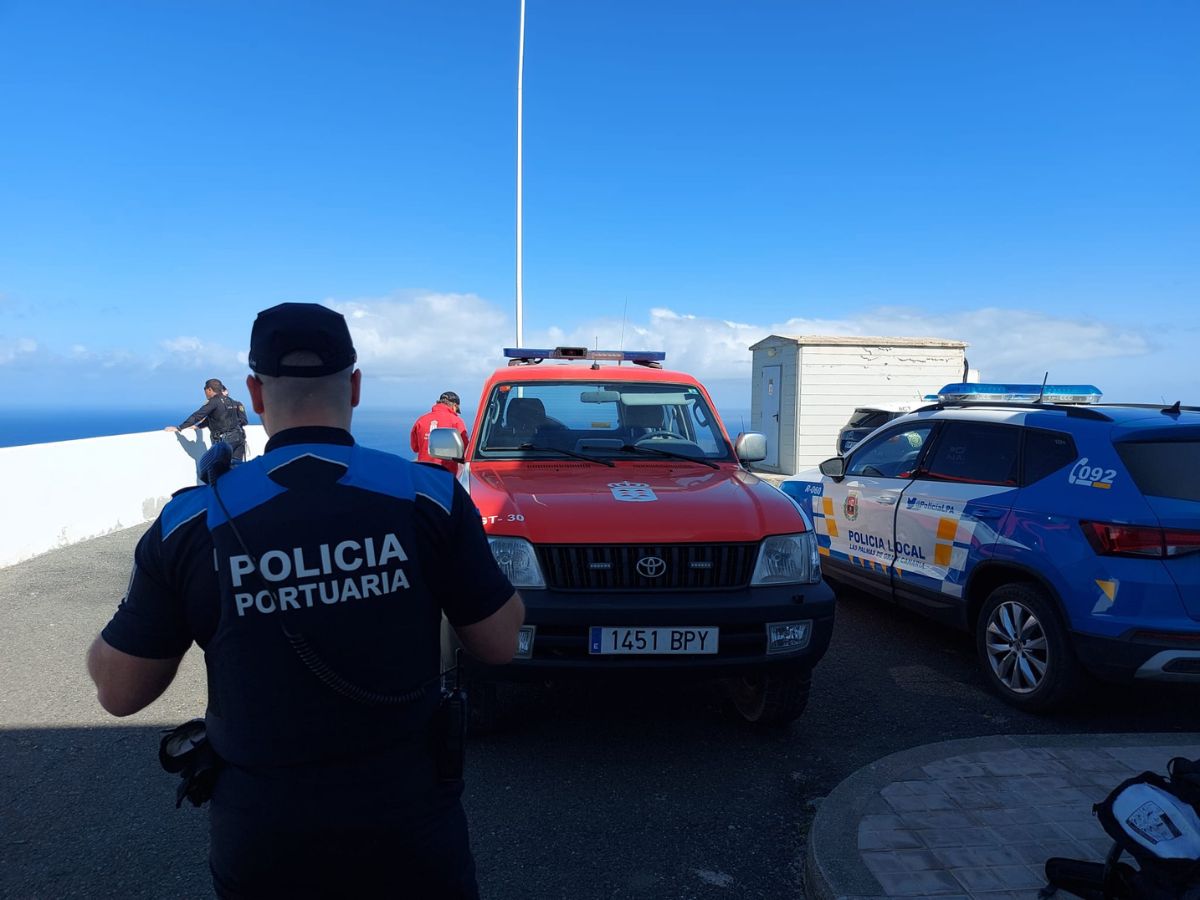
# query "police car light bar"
(1019, 393)
(641, 357)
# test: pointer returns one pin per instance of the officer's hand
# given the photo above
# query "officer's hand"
(170, 428)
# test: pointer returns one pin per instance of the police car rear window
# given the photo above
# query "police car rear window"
(870, 418)
(1164, 468)
(1045, 453)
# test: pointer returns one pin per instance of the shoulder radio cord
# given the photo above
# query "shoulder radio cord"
(312, 661)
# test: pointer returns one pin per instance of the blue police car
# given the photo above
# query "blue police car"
(1064, 532)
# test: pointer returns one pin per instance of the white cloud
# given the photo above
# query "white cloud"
(413, 336)
(16, 349)
(414, 344)
(194, 354)
(1007, 345)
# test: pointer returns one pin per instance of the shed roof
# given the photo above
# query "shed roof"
(857, 340)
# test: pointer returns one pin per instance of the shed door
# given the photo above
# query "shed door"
(770, 414)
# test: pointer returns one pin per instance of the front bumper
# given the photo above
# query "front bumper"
(1141, 657)
(563, 620)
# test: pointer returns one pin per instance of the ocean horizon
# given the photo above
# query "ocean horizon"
(378, 427)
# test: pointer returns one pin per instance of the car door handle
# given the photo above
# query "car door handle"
(987, 513)
(886, 499)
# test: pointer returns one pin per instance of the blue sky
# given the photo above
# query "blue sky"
(1023, 176)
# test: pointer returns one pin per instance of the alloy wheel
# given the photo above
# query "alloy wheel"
(1016, 647)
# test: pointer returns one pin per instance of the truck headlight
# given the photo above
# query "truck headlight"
(788, 559)
(518, 561)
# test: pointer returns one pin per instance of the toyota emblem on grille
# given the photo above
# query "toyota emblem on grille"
(651, 566)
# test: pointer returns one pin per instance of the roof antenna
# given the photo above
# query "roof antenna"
(624, 316)
(1042, 392)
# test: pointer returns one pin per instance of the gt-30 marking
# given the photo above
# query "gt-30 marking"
(511, 517)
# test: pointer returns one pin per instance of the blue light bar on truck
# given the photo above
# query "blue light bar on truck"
(1019, 393)
(642, 357)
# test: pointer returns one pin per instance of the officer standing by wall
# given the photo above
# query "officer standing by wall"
(320, 626)
(444, 414)
(224, 416)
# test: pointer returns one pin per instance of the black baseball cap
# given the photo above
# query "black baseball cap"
(449, 397)
(290, 327)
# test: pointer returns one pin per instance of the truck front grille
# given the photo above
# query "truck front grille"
(614, 567)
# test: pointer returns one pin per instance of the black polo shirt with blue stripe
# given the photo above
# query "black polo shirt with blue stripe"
(358, 551)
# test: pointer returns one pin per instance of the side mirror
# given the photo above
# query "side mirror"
(750, 446)
(446, 443)
(834, 468)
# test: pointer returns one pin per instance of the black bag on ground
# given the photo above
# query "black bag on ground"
(1155, 820)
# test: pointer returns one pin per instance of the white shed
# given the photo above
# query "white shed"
(805, 388)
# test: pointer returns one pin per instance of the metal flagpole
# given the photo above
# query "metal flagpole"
(520, 89)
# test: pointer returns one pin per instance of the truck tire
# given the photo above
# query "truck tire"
(1025, 650)
(772, 698)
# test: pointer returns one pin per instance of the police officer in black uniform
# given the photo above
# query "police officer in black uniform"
(223, 416)
(315, 578)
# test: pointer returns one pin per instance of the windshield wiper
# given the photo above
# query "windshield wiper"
(670, 454)
(570, 453)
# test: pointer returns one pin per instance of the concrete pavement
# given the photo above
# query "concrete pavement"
(974, 818)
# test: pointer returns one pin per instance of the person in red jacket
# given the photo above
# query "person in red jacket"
(443, 415)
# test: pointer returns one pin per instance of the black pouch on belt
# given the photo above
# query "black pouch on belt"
(450, 734)
(185, 751)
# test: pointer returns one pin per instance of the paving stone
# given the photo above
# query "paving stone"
(948, 768)
(978, 857)
(938, 819)
(896, 789)
(1083, 829)
(917, 860)
(880, 822)
(974, 836)
(1032, 854)
(1075, 812)
(892, 839)
(996, 878)
(904, 803)
(1044, 831)
(1068, 795)
(919, 884)
(924, 788)
(883, 863)
(1001, 816)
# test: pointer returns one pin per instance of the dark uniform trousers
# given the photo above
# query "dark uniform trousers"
(237, 442)
(258, 851)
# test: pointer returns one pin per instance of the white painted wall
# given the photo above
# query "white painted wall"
(836, 379)
(61, 493)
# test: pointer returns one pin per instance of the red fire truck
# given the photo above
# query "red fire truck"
(618, 506)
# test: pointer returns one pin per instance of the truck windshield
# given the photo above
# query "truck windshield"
(598, 419)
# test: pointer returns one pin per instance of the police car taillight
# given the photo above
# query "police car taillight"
(1110, 539)
(1019, 393)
